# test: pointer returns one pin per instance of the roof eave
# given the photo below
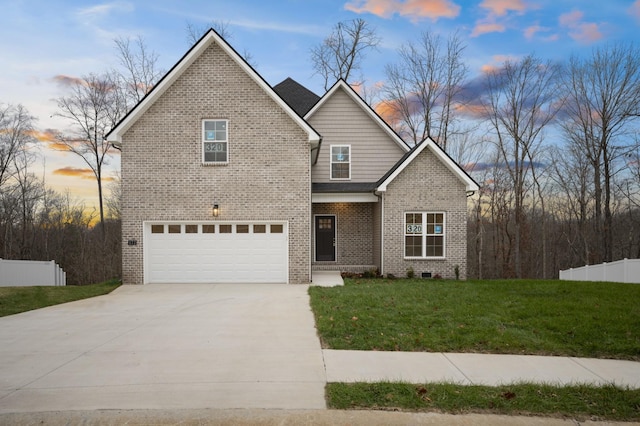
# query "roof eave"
(115, 135)
(470, 184)
(365, 107)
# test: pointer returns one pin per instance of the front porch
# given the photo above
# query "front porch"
(346, 236)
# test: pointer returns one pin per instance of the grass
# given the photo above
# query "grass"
(564, 318)
(580, 402)
(14, 300)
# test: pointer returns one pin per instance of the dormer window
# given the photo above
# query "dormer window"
(340, 162)
(214, 142)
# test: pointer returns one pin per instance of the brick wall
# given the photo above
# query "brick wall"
(267, 178)
(354, 224)
(426, 185)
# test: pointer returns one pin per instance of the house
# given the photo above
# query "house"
(227, 179)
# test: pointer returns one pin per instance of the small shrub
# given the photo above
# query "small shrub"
(351, 275)
(437, 277)
(371, 273)
(391, 276)
(456, 270)
(411, 273)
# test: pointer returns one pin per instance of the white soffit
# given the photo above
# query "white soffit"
(344, 197)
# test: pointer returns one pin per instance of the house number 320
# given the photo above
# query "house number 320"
(414, 229)
(214, 147)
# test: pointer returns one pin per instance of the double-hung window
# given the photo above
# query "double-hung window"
(215, 143)
(340, 162)
(424, 235)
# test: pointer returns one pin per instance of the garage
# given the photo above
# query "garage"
(215, 252)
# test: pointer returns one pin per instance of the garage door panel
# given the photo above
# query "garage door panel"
(216, 257)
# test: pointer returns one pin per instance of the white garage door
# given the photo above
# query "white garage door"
(216, 252)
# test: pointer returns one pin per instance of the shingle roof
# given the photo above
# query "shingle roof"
(343, 186)
(298, 97)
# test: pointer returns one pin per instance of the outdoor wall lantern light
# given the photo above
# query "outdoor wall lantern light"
(216, 210)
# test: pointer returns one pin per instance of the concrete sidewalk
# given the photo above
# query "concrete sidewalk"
(476, 369)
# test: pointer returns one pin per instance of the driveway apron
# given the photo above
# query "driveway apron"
(165, 347)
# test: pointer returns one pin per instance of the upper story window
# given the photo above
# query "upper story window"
(424, 235)
(215, 144)
(340, 162)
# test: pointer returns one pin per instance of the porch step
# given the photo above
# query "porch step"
(342, 268)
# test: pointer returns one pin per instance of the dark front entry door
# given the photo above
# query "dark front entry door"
(325, 238)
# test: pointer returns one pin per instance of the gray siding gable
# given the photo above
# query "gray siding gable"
(344, 119)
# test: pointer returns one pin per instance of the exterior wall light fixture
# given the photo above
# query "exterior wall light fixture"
(216, 210)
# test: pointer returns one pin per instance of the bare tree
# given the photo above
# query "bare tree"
(520, 101)
(195, 32)
(138, 71)
(340, 55)
(424, 86)
(114, 199)
(602, 99)
(16, 127)
(92, 110)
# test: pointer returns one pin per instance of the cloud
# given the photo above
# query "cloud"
(388, 110)
(480, 166)
(280, 27)
(75, 172)
(496, 12)
(82, 173)
(497, 63)
(47, 135)
(101, 10)
(412, 9)
(487, 27)
(580, 31)
(634, 9)
(65, 80)
(502, 7)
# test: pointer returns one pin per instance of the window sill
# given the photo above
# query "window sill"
(215, 164)
(426, 258)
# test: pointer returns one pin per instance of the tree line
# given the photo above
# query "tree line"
(553, 146)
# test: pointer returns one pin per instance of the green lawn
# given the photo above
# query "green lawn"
(14, 300)
(578, 402)
(584, 319)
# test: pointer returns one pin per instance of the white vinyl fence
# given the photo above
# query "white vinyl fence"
(621, 271)
(25, 273)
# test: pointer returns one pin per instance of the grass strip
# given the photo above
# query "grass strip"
(563, 318)
(14, 300)
(581, 402)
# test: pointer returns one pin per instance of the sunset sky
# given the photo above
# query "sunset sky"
(47, 42)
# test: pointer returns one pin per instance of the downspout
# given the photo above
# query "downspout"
(317, 152)
(311, 224)
(382, 234)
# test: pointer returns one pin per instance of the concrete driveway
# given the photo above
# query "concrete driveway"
(165, 347)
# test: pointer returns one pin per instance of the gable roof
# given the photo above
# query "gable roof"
(385, 180)
(209, 38)
(296, 95)
(342, 85)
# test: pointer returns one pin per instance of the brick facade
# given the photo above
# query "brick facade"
(426, 185)
(267, 177)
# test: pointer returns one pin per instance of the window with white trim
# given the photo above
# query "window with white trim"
(424, 235)
(215, 144)
(340, 162)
